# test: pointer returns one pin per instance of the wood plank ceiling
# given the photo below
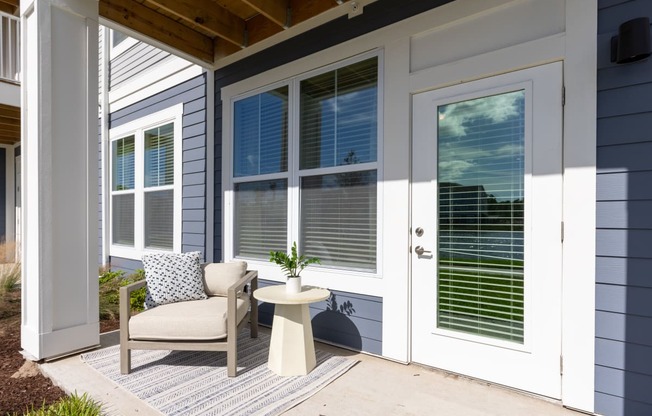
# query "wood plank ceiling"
(9, 124)
(9, 6)
(211, 29)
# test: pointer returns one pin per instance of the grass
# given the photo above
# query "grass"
(73, 405)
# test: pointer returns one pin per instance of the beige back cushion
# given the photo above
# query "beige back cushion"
(219, 276)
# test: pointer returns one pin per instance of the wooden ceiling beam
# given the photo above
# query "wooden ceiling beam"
(9, 111)
(9, 139)
(274, 10)
(303, 10)
(7, 8)
(209, 16)
(142, 19)
(259, 28)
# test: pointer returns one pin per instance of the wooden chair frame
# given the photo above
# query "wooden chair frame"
(229, 344)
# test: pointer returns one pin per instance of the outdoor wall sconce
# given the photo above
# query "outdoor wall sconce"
(633, 41)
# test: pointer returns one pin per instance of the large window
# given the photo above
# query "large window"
(305, 167)
(145, 186)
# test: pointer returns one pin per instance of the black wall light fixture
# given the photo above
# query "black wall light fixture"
(633, 41)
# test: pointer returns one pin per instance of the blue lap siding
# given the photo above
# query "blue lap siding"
(192, 94)
(623, 344)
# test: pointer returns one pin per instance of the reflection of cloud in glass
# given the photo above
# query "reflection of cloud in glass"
(453, 117)
(452, 170)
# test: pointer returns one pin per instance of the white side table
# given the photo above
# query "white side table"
(292, 348)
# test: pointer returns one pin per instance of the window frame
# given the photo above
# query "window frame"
(120, 48)
(137, 129)
(294, 174)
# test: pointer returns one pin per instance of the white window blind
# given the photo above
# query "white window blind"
(481, 168)
(123, 219)
(159, 219)
(339, 116)
(260, 218)
(123, 191)
(123, 163)
(338, 219)
(159, 156)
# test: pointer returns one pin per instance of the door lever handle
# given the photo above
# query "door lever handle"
(420, 250)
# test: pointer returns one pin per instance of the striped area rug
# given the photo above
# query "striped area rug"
(195, 383)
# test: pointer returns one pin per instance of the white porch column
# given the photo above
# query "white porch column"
(59, 182)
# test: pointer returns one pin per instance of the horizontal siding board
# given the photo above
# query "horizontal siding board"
(193, 215)
(362, 330)
(610, 18)
(613, 75)
(196, 105)
(623, 299)
(617, 354)
(625, 186)
(624, 271)
(194, 166)
(194, 130)
(625, 158)
(630, 99)
(624, 243)
(617, 406)
(194, 154)
(627, 328)
(145, 62)
(194, 191)
(189, 248)
(624, 214)
(193, 227)
(193, 142)
(194, 118)
(636, 387)
(193, 239)
(128, 265)
(629, 128)
(198, 178)
(194, 203)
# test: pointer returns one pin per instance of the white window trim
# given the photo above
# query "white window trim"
(122, 47)
(331, 276)
(137, 128)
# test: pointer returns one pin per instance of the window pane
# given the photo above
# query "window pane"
(261, 210)
(481, 198)
(117, 37)
(261, 133)
(159, 156)
(123, 163)
(339, 116)
(338, 219)
(123, 219)
(159, 219)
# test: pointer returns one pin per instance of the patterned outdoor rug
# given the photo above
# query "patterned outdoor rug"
(195, 383)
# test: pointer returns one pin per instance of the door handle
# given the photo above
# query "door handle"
(420, 250)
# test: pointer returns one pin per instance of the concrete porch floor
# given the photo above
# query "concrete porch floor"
(372, 387)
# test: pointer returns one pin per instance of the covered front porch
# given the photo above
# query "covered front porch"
(374, 386)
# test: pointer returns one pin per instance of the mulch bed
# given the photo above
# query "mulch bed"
(28, 387)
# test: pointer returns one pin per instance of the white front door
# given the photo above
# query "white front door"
(486, 229)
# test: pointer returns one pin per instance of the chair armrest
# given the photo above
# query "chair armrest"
(232, 298)
(125, 304)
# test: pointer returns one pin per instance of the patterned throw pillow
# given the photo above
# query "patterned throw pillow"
(173, 278)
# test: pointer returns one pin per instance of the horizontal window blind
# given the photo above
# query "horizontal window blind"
(260, 216)
(123, 219)
(338, 219)
(481, 166)
(339, 116)
(159, 156)
(159, 219)
(123, 163)
(261, 133)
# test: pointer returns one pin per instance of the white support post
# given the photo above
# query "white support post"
(59, 180)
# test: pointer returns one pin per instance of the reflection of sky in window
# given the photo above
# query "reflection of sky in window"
(348, 132)
(260, 134)
(124, 164)
(481, 142)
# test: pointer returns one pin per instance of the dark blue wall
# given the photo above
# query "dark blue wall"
(192, 94)
(623, 342)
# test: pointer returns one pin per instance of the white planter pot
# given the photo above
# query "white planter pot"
(293, 285)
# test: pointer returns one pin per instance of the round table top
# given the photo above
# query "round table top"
(276, 294)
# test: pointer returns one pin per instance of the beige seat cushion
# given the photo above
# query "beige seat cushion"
(218, 277)
(199, 320)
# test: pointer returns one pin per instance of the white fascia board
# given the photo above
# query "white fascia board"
(10, 94)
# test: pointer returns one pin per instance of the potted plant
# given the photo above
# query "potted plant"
(292, 266)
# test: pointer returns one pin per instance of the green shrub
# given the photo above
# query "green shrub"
(110, 284)
(9, 277)
(68, 406)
